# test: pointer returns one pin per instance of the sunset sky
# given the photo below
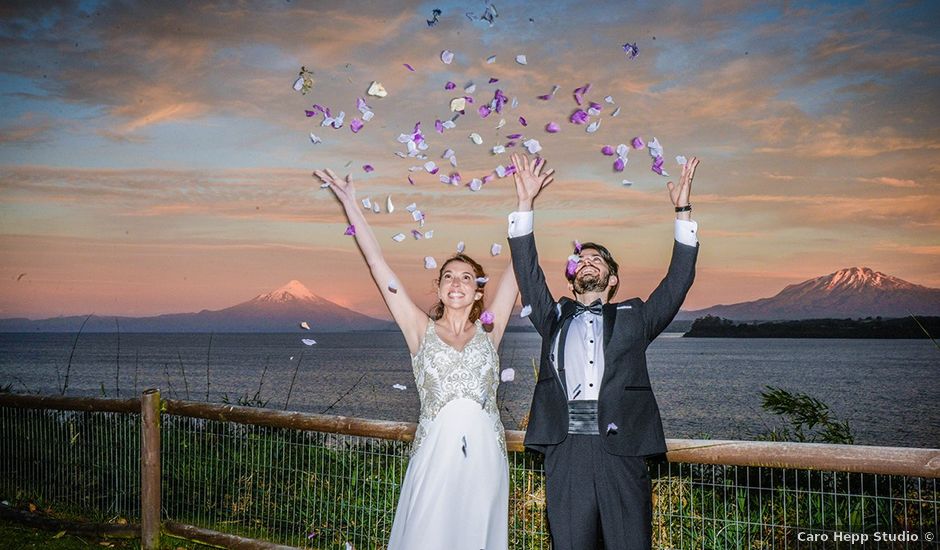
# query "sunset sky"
(154, 157)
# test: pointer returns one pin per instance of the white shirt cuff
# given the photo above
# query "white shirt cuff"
(687, 232)
(520, 223)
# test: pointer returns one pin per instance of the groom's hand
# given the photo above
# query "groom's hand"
(680, 194)
(529, 179)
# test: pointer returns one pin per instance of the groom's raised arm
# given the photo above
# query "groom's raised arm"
(529, 181)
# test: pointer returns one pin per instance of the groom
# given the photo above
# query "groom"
(593, 415)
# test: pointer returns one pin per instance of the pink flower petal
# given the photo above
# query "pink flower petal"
(552, 128)
(579, 93)
(355, 125)
(487, 317)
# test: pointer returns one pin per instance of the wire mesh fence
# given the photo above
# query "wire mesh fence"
(313, 489)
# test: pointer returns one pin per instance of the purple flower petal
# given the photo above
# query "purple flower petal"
(658, 165)
(579, 117)
(409, 67)
(351, 231)
(514, 136)
(552, 128)
(637, 143)
(577, 246)
(411, 181)
(468, 99)
(368, 167)
(493, 80)
(355, 125)
(439, 126)
(522, 121)
(571, 267)
(510, 144)
(579, 93)
(450, 85)
(487, 317)
(416, 234)
(309, 113)
(611, 428)
(618, 164)
(488, 178)
(631, 50)
(484, 111)
(607, 150)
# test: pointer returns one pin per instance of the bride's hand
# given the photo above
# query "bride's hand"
(342, 188)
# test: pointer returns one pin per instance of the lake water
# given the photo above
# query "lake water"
(886, 389)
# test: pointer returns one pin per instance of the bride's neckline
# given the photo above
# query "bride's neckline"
(476, 330)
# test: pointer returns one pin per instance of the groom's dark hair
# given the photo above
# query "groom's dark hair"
(612, 266)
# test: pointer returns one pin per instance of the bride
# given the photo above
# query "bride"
(456, 490)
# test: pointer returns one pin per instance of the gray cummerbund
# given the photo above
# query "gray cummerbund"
(582, 417)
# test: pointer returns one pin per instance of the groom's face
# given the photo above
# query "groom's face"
(592, 274)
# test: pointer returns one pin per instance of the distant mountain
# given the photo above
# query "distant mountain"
(854, 292)
(279, 311)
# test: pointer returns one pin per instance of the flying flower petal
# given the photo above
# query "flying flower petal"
(417, 234)
(308, 341)
(611, 428)
(609, 99)
(655, 149)
(579, 117)
(484, 111)
(367, 203)
(470, 88)
(482, 280)
(476, 184)
(637, 143)
(631, 50)
(577, 246)
(491, 59)
(496, 249)
(458, 104)
(622, 150)
(460, 247)
(409, 67)
(435, 15)
(525, 311)
(681, 160)
(350, 230)
(522, 121)
(398, 237)
(305, 325)
(314, 138)
(532, 145)
(627, 183)
(592, 127)
(429, 234)
(431, 167)
(393, 286)
(487, 317)
(389, 207)
(508, 375)
(493, 80)
(572, 265)
(607, 150)
(355, 125)
(447, 57)
(499, 149)
(411, 181)
(616, 112)
(429, 262)
(521, 59)
(377, 90)
(400, 387)
(619, 164)
(368, 168)
(475, 138)
(552, 128)
(579, 93)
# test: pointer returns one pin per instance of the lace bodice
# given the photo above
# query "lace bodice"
(443, 374)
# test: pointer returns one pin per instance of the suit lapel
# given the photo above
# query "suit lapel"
(610, 317)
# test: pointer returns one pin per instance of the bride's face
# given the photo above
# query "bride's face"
(458, 285)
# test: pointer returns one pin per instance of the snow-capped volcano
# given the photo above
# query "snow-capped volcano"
(281, 310)
(291, 292)
(853, 292)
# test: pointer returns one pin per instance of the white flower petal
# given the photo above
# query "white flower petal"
(447, 57)
(304, 325)
(521, 59)
(476, 184)
(526, 311)
(616, 112)
(681, 160)
(491, 59)
(476, 138)
(400, 387)
(398, 237)
(429, 262)
(532, 145)
(389, 207)
(592, 127)
(458, 104)
(496, 249)
(299, 84)
(609, 99)
(499, 149)
(377, 90)
(308, 342)
(367, 203)
(470, 88)
(508, 375)
(460, 247)
(430, 166)
(627, 183)
(502, 122)
(428, 234)
(314, 138)
(411, 207)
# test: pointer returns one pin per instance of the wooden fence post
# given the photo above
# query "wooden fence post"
(150, 470)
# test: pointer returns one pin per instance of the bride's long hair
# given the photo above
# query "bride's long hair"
(437, 311)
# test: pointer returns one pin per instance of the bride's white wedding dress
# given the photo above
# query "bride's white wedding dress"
(456, 491)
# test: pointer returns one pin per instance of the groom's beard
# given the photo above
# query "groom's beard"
(590, 282)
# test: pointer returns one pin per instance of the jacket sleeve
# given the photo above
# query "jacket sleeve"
(664, 303)
(532, 286)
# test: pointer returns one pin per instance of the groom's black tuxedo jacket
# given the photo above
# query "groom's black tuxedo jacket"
(627, 414)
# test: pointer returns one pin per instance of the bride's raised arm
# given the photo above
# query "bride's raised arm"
(411, 320)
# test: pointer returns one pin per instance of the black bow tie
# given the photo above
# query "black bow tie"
(596, 307)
